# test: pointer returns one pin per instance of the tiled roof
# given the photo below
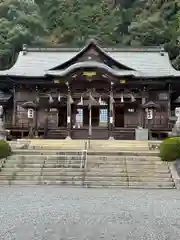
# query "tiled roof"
(91, 64)
(149, 62)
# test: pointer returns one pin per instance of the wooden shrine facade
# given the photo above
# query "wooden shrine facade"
(90, 93)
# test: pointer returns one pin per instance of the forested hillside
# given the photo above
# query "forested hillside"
(72, 22)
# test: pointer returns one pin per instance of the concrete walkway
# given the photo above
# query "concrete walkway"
(53, 213)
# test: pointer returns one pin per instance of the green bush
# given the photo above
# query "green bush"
(5, 149)
(170, 149)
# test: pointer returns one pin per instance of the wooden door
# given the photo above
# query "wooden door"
(53, 118)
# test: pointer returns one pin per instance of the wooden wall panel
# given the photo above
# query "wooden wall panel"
(25, 95)
(53, 118)
(131, 119)
(42, 118)
(21, 116)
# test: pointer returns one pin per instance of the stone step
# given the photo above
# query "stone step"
(130, 167)
(33, 165)
(45, 157)
(48, 144)
(77, 163)
(46, 182)
(120, 142)
(120, 147)
(49, 174)
(23, 182)
(131, 184)
(19, 173)
(129, 178)
(88, 174)
(51, 171)
(13, 161)
(26, 178)
(56, 147)
(149, 179)
(134, 171)
(47, 165)
(123, 158)
(90, 152)
(91, 184)
(80, 155)
(130, 187)
(16, 177)
(61, 178)
(152, 184)
(122, 153)
(89, 178)
(33, 183)
(93, 166)
(135, 168)
(62, 165)
(88, 163)
(124, 162)
(26, 170)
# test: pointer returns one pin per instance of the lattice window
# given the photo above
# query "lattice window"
(21, 116)
(103, 116)
(79, 116)
(163, 96)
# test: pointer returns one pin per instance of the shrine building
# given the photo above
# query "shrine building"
(90, 93)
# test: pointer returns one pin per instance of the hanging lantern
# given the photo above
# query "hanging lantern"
(132, 98)
(71, 100)
(81, 101)
(50, 99)
(122, 98)
(112, 99)
(37, 99)
(59, 97)
(92, 100)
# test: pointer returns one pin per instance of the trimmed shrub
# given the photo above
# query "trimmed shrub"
(170, 149)
(5, 149)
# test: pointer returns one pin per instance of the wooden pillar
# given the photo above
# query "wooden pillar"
(90, 121)
(169, 105)
(46, 122)
(143, 115)
(111, 113)
(14, 106)
(36, 112)
(69, 112)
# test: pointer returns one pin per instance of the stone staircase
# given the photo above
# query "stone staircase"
(43, 169)
(92, 145)
(131, 171)
(123, 164)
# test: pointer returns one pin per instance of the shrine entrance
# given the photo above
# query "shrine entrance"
(119, 116)
(90, 122)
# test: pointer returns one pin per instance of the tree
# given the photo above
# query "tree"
(157, 24)
(20, 23)
(73, 22)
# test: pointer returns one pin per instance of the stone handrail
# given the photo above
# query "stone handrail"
(2, 162)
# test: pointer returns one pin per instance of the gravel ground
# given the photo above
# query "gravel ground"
(52, 213)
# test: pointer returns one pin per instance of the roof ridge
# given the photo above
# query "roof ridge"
(119, 49)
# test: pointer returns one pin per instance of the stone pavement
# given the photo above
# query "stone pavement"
(57, 213)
